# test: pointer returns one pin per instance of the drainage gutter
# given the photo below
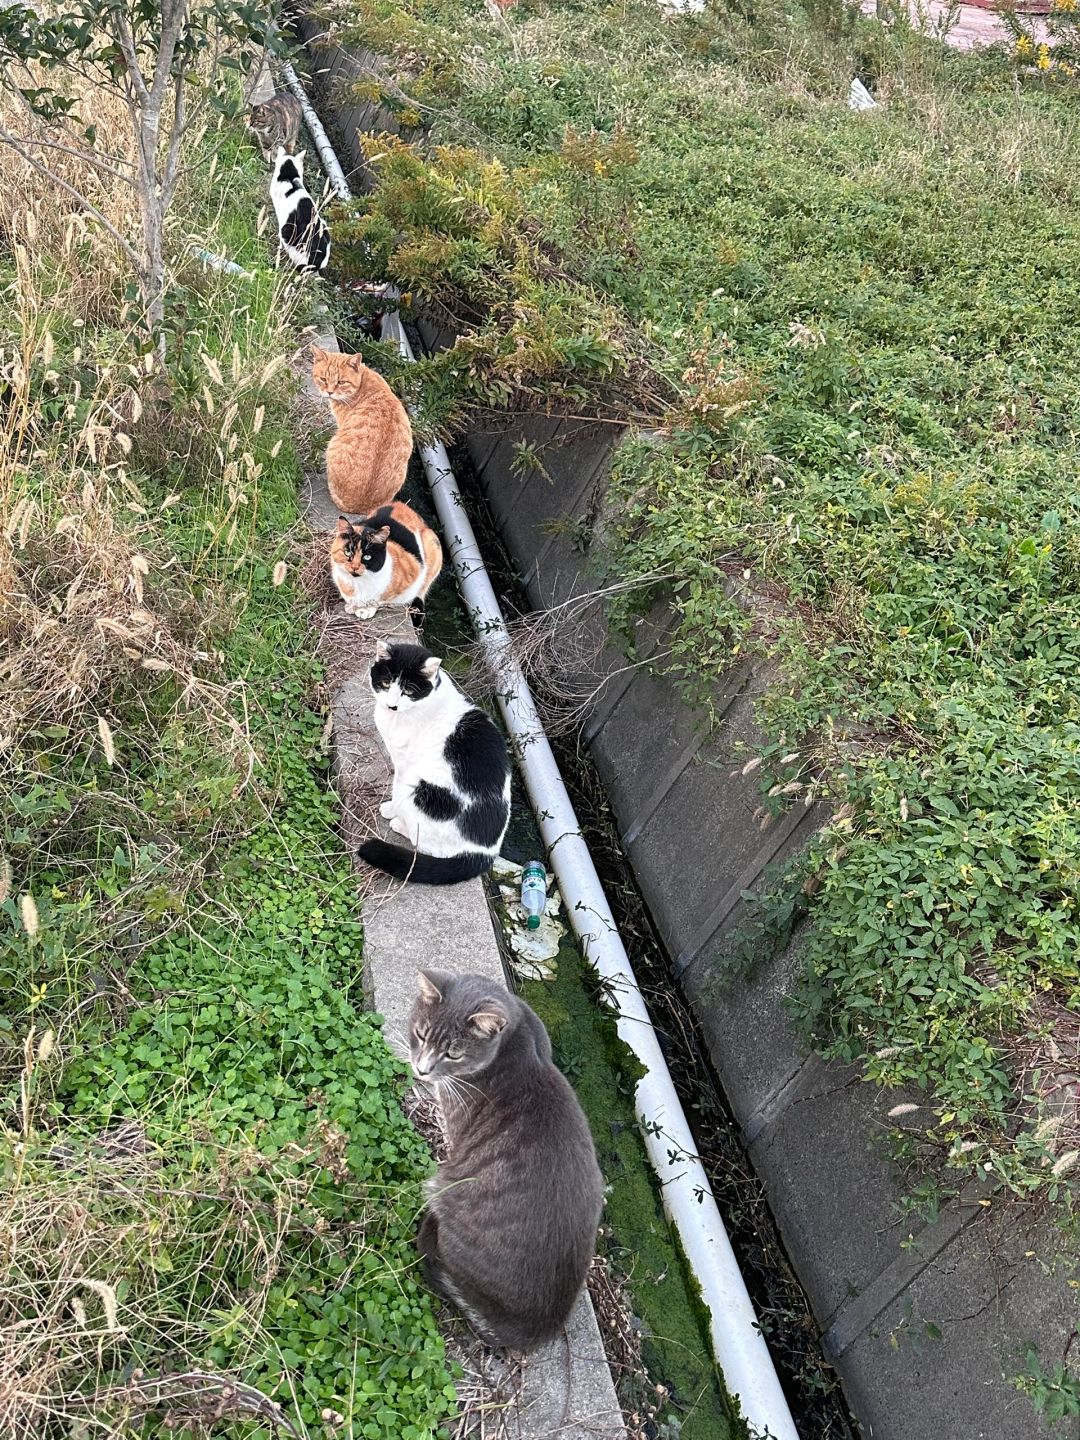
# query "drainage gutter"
(738, 1344)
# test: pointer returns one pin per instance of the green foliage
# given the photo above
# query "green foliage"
(1055, 1393)
(188, 965)
(867, 385)
(448, 228)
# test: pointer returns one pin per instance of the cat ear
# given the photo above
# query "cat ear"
(380, 536)
(317, 352)
(430, 668)
(488, 1022)
(382, 650)
(344, 525)
(431, 984)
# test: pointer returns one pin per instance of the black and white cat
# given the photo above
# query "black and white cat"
(451, 793)
(301, 230)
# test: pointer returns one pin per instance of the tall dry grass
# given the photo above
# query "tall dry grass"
(115, 591)
(92, 600)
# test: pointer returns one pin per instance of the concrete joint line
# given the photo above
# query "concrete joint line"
(571, 510)
(776, 1102)
(603, 714)
(783, 832)
(656, 797)
(797, 1091)
(626, 678)
(852, 1318)
(658, 794)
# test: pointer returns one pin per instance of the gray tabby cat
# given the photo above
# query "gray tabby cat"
(512, 1214)
(277, 122)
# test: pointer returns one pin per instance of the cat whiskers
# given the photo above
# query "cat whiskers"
(452, 1088)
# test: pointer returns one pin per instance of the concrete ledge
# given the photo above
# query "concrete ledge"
(566, 1390)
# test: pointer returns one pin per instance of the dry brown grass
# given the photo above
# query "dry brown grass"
(108, 1257)
(39, 212)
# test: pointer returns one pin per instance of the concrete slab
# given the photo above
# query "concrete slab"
(516, 488)
(985, 1301)
(748, 1027)
(718, 809)
(633, 752)
(566, 1391)
(833, 1191)
(564, 502)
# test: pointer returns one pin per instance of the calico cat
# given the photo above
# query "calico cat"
(510, 1226)
(277, 122)
(367, 459)
(389, 558)
(302, 232)
(451, 792)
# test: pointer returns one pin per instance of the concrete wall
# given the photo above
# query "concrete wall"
(874, 1275)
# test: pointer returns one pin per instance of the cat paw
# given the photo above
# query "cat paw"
(362, 612)
(399, 827)
(386, 809)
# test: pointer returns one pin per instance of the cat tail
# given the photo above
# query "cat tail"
(423, 869)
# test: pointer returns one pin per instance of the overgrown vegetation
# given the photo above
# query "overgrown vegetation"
(209, 1189)
(858, 330)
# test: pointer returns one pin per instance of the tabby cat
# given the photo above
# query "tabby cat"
(302, 232)
(276, 122)
(451, 792)
(511, 1221)
(367, 459)
(389, 558)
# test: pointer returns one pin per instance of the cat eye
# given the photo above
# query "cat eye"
(421, 1035)
(453, 1054)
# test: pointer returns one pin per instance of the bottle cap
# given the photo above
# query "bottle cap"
(533, 922)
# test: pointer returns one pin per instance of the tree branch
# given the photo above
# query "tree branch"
(131, 58)
(168, 182)
(88, 206)
(173, 17)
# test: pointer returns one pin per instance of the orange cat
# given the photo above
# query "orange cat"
(366, 460)
(389, 558)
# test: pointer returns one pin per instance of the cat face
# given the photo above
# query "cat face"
(403, 676)
(456, 1026)
(337, 376)
(359, 547)
(265, 129)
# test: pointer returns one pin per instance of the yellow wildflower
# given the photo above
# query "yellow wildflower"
(1023, 46)
(1043, 62)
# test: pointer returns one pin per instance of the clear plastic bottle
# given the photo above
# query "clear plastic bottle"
(533, 893)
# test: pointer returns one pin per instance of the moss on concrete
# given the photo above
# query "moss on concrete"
(636, 1235)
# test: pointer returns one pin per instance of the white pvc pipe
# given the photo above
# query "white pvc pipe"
(331, 165)
(688, 1200)
(738, 1344)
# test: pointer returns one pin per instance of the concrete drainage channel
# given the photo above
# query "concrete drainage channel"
(399, 928)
